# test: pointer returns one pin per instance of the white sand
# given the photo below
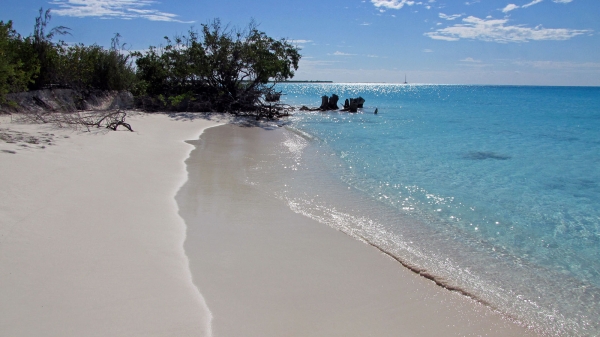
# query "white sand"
(267, 271)
(91, 243)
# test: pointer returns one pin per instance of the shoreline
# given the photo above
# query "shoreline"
(266, 271)
(161, 232)
(90, 240)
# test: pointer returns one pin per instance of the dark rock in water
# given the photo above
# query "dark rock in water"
(324, 103)
(376, 110)
(360, 101)
(305, 108)
(333, 102)
(329, 103)
(353, 106)
(482, 155)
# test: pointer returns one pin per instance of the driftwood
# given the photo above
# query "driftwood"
(273, 96)
(78, 119)
(114, 120)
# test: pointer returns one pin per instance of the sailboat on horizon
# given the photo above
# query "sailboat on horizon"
(405, 79)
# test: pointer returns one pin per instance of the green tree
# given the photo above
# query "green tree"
(83, 67)
(18, 64)
(37, 62)
(47, 51)
(229, 69)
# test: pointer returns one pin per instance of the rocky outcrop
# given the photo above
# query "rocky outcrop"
(353, 104)
(329, 103)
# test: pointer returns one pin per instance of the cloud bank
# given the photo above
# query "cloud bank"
(496, 30)
(392, 4)
(511, 7)
(113, 9)
(449, 17)
(534, 2)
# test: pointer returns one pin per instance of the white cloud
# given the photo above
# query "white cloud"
(509, 8)
(108, 9)
(299, 41)
(339, 53)
(470, 60)
(496, 30)
(449, 17)
(392, 4)
(534, 2)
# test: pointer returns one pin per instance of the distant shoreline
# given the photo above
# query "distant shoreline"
(306, 82)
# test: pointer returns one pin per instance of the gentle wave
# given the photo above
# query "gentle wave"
(488, 191)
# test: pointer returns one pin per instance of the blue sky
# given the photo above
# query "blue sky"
(531, 42)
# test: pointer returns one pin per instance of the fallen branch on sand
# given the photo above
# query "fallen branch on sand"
(79, 119)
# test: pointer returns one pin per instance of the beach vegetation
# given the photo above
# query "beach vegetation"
(47, 52)
(85, 68)
(218, 68)
(38, 62)
(18, 64)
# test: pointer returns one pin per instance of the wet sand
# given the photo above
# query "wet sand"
(267, 271)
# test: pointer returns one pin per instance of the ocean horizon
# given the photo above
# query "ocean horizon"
(327, 82)
(492, 191)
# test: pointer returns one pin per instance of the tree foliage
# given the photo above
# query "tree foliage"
(92, 67)
(18, 64)
(218, 68)
(37, 62)
(226, 69)
(46, 50)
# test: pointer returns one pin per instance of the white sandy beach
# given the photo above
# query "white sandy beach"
(90, 240)
(92, 244)
(267, 271)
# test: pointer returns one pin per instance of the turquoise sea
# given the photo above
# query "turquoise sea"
(492, 191)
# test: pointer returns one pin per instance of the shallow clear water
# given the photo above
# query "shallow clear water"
(493, 191)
